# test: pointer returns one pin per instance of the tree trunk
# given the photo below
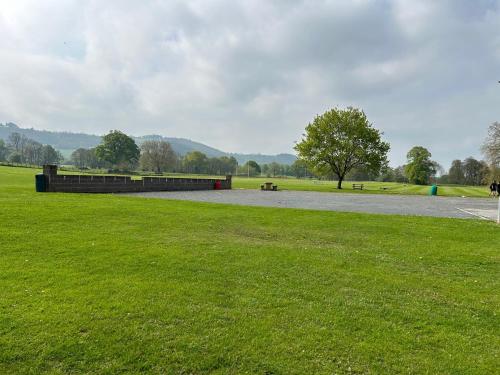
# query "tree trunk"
(339, 183)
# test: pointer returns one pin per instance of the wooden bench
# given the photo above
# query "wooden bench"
(357, 186)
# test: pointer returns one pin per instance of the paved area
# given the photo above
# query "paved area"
(483, 208)
(483, 214)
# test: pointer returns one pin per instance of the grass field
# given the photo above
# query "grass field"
(369, 187)
(110, 284)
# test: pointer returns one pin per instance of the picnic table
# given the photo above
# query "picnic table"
(268, 186)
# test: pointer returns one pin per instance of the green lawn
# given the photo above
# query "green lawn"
(369, 187)
(109, 284)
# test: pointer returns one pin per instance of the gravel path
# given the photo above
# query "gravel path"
(371, 203)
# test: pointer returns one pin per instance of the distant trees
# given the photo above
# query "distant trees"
(16, 141)
(79, 158)
(300, 169)
(386, 175)
(4, 151)
(254, 165)
(456, 173)
(223, 165)
(491, 146)
(475, 172)
(363, 174)
(420, 167)
(195, 162)
(491, 150)
(467, 172)
(399, 174)
(119, 150)
(198, 162)
(389, 174)
(23, 150)
(250, 168)
(157, 156)
(50, 155)
(86, 158)
(32, 151)
(340, 140)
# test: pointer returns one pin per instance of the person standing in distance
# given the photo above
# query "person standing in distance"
(494, 188)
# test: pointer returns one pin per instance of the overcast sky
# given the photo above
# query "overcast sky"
(248, 76)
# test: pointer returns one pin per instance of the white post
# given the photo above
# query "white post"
(498, 214)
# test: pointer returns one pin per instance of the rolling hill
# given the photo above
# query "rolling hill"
(66, 142)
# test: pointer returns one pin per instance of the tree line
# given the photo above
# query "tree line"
(424, 171)
(340, 144)
(119, 152)
(470, 171)
(20, 149)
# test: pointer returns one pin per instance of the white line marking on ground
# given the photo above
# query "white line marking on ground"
(473, 214)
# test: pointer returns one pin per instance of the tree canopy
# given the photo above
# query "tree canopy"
(118, 149)
(340, 140)
(475, 171)
(420, 167)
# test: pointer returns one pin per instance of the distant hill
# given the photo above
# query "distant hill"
(182, 146)
(67, 142)
(265, 159)
(59, 140)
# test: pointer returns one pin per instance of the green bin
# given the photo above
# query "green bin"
(40, 183)
(434, 190)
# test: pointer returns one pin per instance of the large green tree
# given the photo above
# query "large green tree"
(118, 149)
(420, 168)
(340, 140)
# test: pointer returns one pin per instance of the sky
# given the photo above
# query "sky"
(248, 76)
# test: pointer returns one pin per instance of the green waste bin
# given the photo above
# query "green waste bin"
(434, 190)
(40, 183)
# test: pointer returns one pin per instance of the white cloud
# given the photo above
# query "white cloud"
(248, 76)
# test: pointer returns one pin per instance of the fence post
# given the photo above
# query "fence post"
(498, 213)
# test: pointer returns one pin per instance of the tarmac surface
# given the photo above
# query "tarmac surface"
(452, 207)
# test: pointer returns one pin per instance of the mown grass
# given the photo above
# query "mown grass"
(111, 284)
(370, 187)
(304, 184)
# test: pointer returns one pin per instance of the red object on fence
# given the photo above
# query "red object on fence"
(218, 185)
